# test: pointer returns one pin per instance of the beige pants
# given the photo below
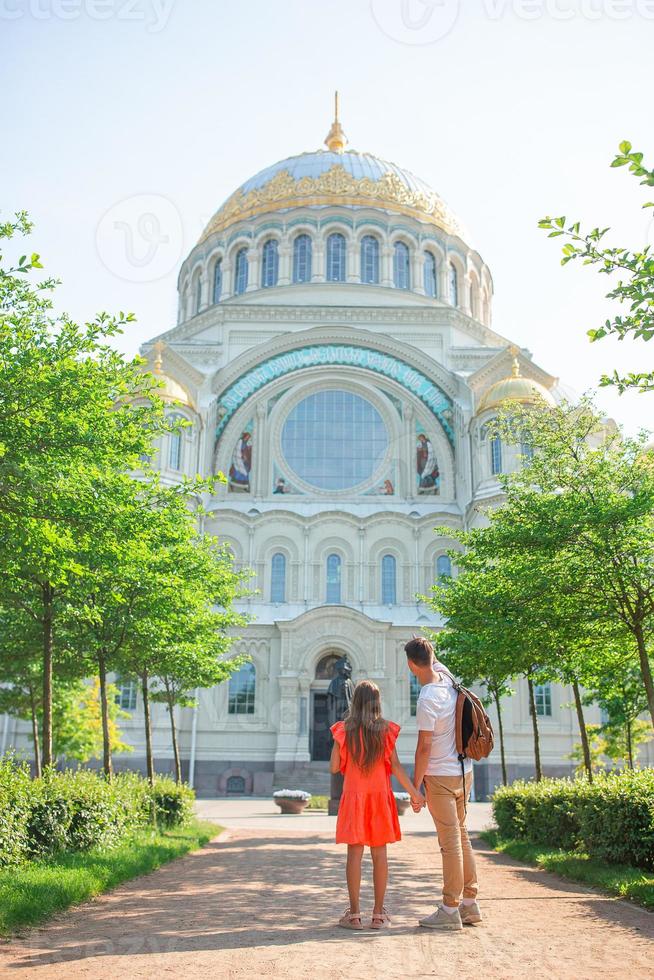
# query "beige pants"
(446, 801)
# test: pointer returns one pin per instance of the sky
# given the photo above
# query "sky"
(128, 122)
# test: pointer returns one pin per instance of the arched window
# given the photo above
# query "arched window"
(241, 271)
(198, 294)
(217, 280)
(270, 264)
(443, 567)
(473, 299)
(333, 592)
(429, 275)
(175, 445)
(369, 259)
(496, 455)
(526, 449)
(278, 578)
(414, 691)
(401, 277)
(302, 259)
(454, 285)
(336, 257)
(242, 686)
(388, 580)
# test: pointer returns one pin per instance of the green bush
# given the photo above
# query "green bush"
(610, 819)
(15, 785)
(74, 811)
(173, 802)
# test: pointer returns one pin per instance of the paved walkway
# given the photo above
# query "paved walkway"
(248, 813)
(263, 903)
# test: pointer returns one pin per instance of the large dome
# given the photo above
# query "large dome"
(329, 177)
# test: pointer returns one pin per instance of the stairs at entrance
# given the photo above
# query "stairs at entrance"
(314, 778)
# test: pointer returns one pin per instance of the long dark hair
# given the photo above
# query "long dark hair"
(365, 729)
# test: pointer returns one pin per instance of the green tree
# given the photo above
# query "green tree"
(77, 722)
(634, 287)
(584, 508)
(71, 409)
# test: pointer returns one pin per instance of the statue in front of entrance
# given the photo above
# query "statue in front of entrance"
(339, 699)
(340, 691)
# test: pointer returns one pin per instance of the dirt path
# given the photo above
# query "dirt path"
(263, 905)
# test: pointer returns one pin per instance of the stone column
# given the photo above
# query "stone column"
(386, 265)
(254, 263)
(417, 272)
(284, 277)
(318, 263)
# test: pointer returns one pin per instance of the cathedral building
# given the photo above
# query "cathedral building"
(336, 358)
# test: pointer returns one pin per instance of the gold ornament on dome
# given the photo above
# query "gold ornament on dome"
(335, 186)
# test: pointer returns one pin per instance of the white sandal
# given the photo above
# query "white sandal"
(351, 920)
(380, 920)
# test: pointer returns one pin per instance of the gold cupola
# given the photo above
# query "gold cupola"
(515, 388)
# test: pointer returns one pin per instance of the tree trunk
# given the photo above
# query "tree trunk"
(582, 731)
(534, 723)
(500, 731)
(149, 760)
(47, 593)
(106, 733)
(173, 731)
(35, 736)
(630, 747)
(645, 668)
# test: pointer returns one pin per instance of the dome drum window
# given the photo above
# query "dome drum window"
(270, 264)
(429, 275)
(241, 271)
(370, 260)
(302, 259)
(336, 258)
(401, 271)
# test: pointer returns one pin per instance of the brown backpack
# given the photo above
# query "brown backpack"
(473, 728)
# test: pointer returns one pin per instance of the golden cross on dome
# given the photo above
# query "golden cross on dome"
(158, 360)
(336, 140)
(515, 364)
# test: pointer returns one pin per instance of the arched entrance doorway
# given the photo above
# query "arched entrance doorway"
(320, 739)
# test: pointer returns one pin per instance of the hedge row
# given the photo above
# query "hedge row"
(611, 819)
(77, 810)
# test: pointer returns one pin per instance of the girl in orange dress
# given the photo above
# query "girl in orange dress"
(364, 751)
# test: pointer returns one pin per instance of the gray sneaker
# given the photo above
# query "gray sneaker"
(470, 914)
(442, 920)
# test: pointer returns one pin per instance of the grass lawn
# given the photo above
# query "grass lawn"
(32, 892)
(635, 884)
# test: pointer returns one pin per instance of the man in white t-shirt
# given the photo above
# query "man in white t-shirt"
(437, 764)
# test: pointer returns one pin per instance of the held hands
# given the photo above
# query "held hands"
(417, 800)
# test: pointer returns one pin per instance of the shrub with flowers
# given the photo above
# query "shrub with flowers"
(292, 794)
